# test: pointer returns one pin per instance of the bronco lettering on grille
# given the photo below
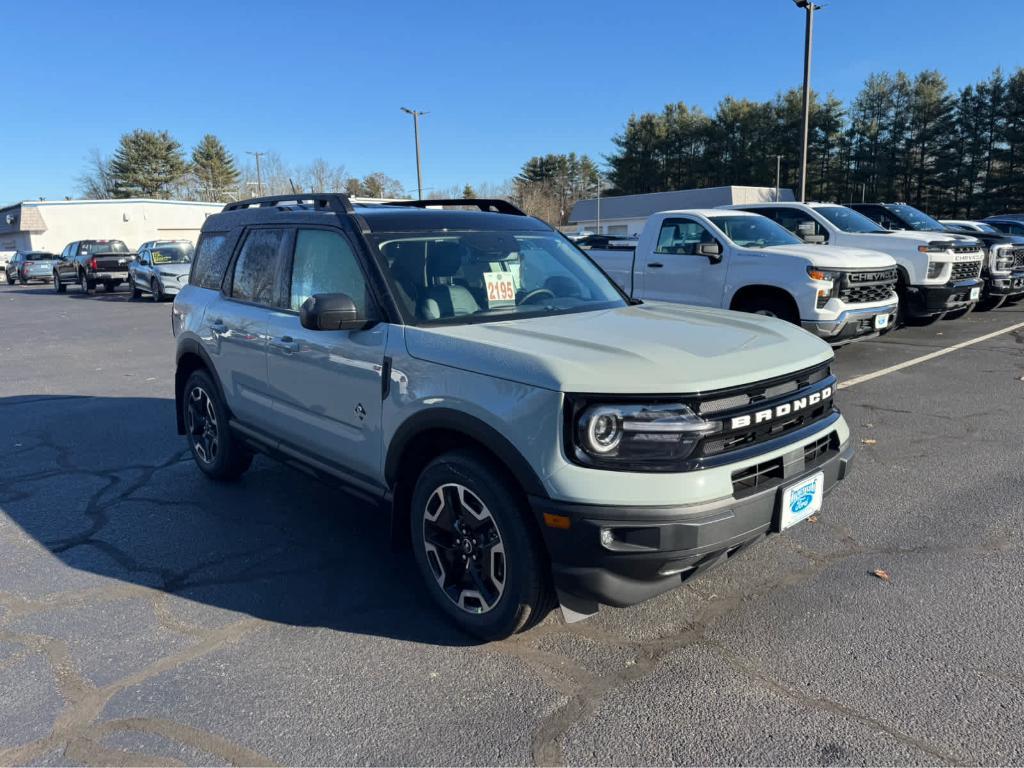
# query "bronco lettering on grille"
(783, 409)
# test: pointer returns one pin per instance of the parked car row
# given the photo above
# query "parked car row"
(844, 273)
(159, 268)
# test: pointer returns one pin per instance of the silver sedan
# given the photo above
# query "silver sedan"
(161, 268)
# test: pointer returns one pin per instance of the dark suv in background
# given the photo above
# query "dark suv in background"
(89, 263)
(1003, 265)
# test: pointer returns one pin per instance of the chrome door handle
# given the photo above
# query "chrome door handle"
(286, 344)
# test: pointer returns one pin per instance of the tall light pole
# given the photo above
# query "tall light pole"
(600, 183)
(416, 130)
(259, 178)
(778, 176)
(809, 7)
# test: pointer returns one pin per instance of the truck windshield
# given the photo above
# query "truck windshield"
(754, 231)
(483, 276)
(915, 219)
(847, 219)
(172, 253)
(103, 246)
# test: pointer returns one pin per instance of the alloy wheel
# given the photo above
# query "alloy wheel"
(201, 425)
(464, 548)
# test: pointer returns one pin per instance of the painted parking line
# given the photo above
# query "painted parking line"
(925, 358)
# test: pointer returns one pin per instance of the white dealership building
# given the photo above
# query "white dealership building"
(49, 225)
(625, 215)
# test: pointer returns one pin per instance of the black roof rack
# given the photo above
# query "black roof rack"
(331, 201)
(493, 205)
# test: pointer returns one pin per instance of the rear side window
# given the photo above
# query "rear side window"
(256, 268)
(211, 260)
(324, 263)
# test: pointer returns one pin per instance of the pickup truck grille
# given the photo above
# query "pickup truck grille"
(1018, 258)
(965, 270)
(866, 287)
(966, 249)
(768, 410)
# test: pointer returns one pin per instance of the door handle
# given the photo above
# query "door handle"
(655, 265)
(218, 327)
(286, 344)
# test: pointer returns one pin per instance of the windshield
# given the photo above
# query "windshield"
(464, 277)
(847, 219)
(915, 219)
(754, 231)
(103, 246)
(172, 253)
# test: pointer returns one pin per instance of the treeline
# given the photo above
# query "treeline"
(902, 138)
(547, 186)
(154, 164)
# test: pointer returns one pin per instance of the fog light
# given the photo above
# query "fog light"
(606, 537)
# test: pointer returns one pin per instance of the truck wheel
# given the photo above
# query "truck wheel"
(770, 306)
(476, 547)
(215, 450)
(58, 286)
(85, 284)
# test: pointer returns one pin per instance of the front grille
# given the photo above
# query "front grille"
(965, 270)
(1018, 258)
(966, 249)
(867, 287)
(774, 472)
(767, 411)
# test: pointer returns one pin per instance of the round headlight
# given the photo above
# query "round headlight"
(603, 430)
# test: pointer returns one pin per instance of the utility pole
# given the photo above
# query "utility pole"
(778, 176)
(809, 7)
(416, 130)
(599, 181)
(259, 178)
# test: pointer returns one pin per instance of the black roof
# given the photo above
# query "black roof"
(411, 216)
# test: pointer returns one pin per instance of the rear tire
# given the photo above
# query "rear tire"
(477, 548)
(10, 280)
(85, 284)
(215, 450)
(58, 286)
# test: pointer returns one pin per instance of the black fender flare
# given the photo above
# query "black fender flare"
(191, 346)
(477, 430)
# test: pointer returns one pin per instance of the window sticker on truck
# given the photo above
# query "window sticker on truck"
(501, 288)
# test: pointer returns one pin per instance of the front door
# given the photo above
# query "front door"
(326, 385)
(675, 271)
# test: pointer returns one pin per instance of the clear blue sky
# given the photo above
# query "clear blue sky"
(502, 81)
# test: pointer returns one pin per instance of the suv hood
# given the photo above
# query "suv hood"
(904, 237)
(653, 348)
(837, 257)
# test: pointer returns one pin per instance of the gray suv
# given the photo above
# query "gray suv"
(539, 436)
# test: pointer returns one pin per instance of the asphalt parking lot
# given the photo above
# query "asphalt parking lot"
(150, 616)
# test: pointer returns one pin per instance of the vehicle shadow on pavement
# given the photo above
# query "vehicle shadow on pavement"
(107, 486)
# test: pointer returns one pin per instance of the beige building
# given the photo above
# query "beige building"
(49, 225)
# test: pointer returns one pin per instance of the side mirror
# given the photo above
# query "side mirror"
(331, 312)
(712, 250)
(814, 239)
(805, 228)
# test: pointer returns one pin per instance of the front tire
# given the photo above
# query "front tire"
(770, 306)
(157, 291)
(136, 293)
(215, 450)
(477, 548)
(85, 284)
(58, 286)
(10, 280)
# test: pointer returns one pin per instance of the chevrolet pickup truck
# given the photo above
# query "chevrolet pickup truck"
(936, 274)
(89, 263)
(742, 261)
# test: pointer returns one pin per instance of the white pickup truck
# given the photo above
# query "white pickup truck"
(742, 261)
(938, 272)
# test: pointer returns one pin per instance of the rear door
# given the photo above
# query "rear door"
(237, 323)
(674, 271)
(326, 385)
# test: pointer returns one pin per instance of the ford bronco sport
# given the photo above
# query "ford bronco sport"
(540, 436)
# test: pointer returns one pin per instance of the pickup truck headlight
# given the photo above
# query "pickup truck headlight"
(829, 284)
(640, 436)
(935, 269)
(1002, 259)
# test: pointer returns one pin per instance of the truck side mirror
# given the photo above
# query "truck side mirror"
(712, 250)
(805, 228)
(814, 239)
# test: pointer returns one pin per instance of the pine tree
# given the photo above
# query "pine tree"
(147, 164)
(214, 169)
(468, 193)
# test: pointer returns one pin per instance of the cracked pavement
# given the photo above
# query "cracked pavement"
(149, 616)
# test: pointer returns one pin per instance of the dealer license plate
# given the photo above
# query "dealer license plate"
(801, 500)
(881, 321)
(975, 294)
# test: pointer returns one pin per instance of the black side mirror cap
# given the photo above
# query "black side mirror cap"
(331, 312)
(712, 250)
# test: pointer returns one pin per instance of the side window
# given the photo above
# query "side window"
(211, 260)
(799, 223)
(325, 263)
(682, 236)
(256, 268)
(1015, 229)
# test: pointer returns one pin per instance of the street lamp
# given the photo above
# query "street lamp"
(809, 7)
(416, 130)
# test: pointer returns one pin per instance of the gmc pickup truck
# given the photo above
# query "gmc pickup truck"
(88, 263)
(1003, 267)
(742, 261)
(935, 274)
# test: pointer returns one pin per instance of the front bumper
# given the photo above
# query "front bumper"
(654, 549)
(1005, 285)
(170, 285)
(923, 300)
(852, 323)
(100, 277)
